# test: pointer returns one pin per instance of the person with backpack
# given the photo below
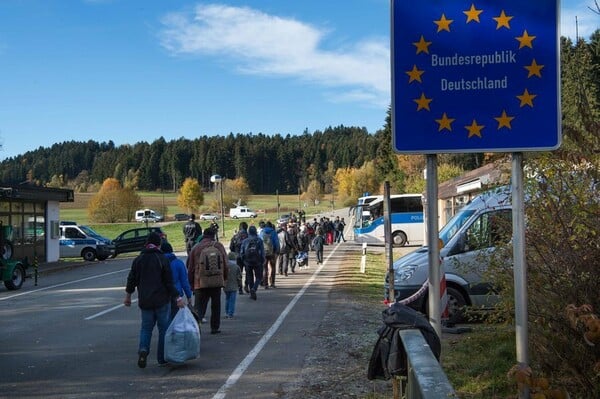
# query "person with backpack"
(341, 227)
(271, 245)
(234, 247)
(191, 232)
(284, 250)
(207, 272)
(293, 234)
(252, 253)
(303, 246)
(318, 243)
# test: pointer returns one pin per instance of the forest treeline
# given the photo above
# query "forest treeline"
(268, 163)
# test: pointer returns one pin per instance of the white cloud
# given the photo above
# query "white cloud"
(264, 44)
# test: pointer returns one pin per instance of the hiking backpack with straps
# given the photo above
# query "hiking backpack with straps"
(210, 261)
(268, 243)
(252, 254)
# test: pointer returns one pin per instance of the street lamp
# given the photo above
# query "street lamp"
(218, 179)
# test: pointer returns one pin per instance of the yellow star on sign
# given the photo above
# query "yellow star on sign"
(534, 69)
(525, 40)
(415, 74)
(443, 23)
(472, 14)
(526, 98)
(474, 129)
(503, 20)
(504, 120)
(423, 102)
(445, 123)
(422, 45)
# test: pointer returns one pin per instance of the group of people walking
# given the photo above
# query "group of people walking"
(163, 281)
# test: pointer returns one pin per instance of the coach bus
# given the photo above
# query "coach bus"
(406, 215)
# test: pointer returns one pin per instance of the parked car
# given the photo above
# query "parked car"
(75, 241)
(148, 215)
(284, 219)
(134, 240)
(241, 212)
(181, 217)
(209, 216)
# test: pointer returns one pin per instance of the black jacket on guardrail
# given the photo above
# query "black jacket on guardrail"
(389, 358)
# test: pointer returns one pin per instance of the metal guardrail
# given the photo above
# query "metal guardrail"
(426, 379)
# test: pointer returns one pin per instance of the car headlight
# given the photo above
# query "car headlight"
(404, 273)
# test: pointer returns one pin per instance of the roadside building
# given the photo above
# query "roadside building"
(29, 221)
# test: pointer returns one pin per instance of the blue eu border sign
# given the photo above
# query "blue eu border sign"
(475, 76)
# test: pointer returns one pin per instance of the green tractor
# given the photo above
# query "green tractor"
(12, 271)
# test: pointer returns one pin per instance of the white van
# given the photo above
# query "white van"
(241, 212)
(469, 238)
(148, 215)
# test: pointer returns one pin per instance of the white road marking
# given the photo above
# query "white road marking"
(107, 311)
(247, 361)
(62, 284)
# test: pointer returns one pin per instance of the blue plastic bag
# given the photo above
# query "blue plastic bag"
(182, 339)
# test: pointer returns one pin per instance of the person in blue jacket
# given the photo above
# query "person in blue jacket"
(180, 277)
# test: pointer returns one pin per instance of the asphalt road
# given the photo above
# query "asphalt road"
(70, 337)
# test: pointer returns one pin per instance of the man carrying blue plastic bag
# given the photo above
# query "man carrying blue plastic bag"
(182, 339)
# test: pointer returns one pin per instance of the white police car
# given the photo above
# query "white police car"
(76, 241)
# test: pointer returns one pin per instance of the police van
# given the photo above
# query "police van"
(470, 239)
(76, 241)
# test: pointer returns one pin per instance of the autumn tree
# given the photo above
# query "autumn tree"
(104, 207)
(190, 195)
(313, 193)
(129, 201)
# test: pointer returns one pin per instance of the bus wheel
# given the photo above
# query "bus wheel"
(399, 239)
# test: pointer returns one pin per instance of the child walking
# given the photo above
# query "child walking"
(232, 284)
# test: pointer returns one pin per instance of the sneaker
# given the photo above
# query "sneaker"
(164, 364)
(227, 316)
(253, 294)
(247, 289)
(142, 359)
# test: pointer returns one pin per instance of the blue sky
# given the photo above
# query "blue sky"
(136, 70)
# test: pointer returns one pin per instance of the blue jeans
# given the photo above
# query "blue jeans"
(160, 317)
(230, 298)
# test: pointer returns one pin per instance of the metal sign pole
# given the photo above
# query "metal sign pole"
(389, 250)
(434, 302)
(520, 267)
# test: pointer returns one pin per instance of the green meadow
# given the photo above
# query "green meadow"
(264, 205)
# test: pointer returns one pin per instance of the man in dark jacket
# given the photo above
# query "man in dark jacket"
(151, 274)
(253, 256)
(191, 232)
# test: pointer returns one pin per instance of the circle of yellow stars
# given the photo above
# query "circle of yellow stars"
(504, 121)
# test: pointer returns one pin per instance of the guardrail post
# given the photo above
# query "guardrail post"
(363, 259)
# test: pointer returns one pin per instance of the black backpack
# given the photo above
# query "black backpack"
(236, 242)
(252, 254)
(389, 358)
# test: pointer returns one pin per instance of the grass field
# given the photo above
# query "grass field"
(264, 205)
